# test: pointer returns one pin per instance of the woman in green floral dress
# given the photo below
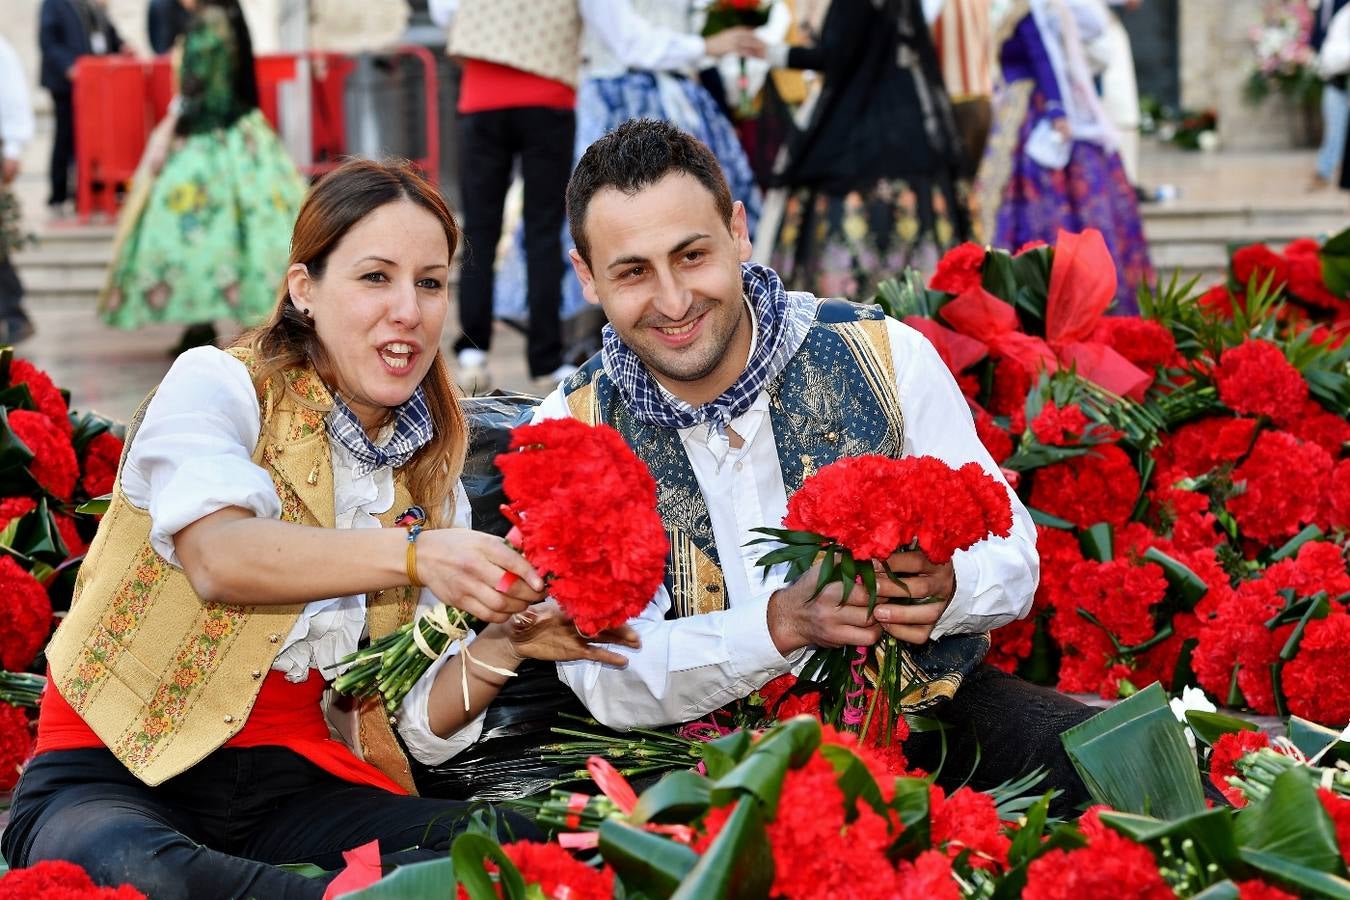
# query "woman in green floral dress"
(210, 239)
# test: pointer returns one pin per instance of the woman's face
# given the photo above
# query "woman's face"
(380, 306)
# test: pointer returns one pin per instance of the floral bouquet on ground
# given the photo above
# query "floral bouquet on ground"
(584, 509)
(851, 517)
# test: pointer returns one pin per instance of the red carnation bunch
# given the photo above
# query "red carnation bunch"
(1254, 889)
(1254, 378)
(1258, 262)
(1120, 595)
(1228, 749)
(56, 879)
(25, 616)
(53, 465)
(1233, 633)
(968, 821)
(101, 456)
(16, 744)
(1099, 486)
(1202, 446)
(1060, 427)
(12, 508)
(996, 440)
(557, 874)
(1317, 426)
(1336, 497)
(1144, 342)
(959, 270)
(874, 505)
(1305, 277)
(1283, 479)
(1338, 808)
(46, 397)
(585, 507)
(1110, 865)
(1312, 690)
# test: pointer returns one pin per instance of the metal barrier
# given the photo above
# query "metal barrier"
(118, 101)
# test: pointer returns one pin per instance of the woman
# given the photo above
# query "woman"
(1052, 161)
(873, 179)
(182, 743)
(208, 240)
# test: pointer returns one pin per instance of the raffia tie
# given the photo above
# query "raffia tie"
(438, 617)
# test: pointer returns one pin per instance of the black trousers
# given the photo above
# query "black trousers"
(11, 296)
(490, 141)
(999, 728)
(63, 147)
(220, 829)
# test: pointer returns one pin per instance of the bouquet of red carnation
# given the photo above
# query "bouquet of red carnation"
(852, 516)
(584, 508)
(724, 14)
(60, 880)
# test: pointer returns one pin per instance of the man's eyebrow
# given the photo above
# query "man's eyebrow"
(627, 261)
(686, 242)
(637, 260)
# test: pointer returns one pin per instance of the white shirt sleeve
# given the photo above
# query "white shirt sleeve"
(193, 453)
(637, 43)
(16, 110)
(414, 723)
(687, 667)
(996, 579)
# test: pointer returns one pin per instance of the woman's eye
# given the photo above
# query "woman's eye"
(374, 277)
(430, 284)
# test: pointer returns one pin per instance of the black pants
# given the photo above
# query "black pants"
(220, 829)
(63, 147)
(489, 143)
(12, 315)
(1001, 727)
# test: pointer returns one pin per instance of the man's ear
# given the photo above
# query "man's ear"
(584, 276)
(740, 231)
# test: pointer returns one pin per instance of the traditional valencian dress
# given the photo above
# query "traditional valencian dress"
(1032, 181)
(210, 240)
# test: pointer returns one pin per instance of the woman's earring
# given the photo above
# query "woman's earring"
(305, 312)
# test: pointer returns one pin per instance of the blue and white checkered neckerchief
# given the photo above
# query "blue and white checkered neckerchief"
(412, 432)
(782, 317)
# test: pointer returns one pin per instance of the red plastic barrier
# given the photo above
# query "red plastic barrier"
(118, 101)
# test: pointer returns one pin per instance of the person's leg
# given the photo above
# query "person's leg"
(546, 163)
(84, 807)
(15, 325)
(1002, 727)
(485, 175)
(63, 148)
(1335, 114)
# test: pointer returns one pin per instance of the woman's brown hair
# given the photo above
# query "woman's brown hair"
(333, 207)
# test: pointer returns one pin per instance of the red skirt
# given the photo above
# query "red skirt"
(285, 715)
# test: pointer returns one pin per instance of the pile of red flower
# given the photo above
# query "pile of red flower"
(56, 879)
(584, 508)
(1187, 469)
(51, 461)
(1307, 271)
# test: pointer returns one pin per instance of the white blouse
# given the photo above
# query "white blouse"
(193, 456)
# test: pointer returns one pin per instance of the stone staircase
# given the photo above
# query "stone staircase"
(67, 266)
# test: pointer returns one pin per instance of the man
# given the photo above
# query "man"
(16, 130)
(521, 63)
(67, 30)
(733, 390)
(166, 21)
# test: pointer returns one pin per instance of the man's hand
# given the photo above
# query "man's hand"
(913, 622)
(796, 621)
(735, 41)
(9, 171)
(545, 632)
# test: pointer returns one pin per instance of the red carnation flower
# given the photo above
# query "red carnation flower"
(1100, 486)
(53, 463)
(1012, 383)
(1233, 634)
(1222, 302)
(1317, 426)
(1254, 378)
(1060, 426)
(1283, 479)
(16, 744)
(1202, 446)
(928, 877)
(101, 457)
(959, 269)
(1259, 890)
(56, 879)
(1011, 643)
(997, 441)
(558, 874)
(26, 617)
(1318, 566)
(1144, 342)
(1227, 750)
(1110, 865)
(1184, 516)
(968, 821)
(585, 507)
(1120, 594)
(1257, 261)
(776, 689)
(1060, 552)
(1338, 808)
(46, 397)
(1305, 275)
(1336, 500)
(70, 534)
(1313, 691)
(12, 508)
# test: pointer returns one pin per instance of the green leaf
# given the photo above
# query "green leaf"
(469, 853)
(1335, 256)
(1098, 542)
(1188, 585)
(1310, 533)
(678, 797)
(761, 772)
(828, 566)
(309, 870)
(411, 882)
(869, 582)
(848, 571)
(722, 755)
(1312, 882)
(998, 277)
(1134, 757)
(1291, 824)
(738, 864)
(911, 804)
(1210, 831)
(1210, 726)
(854, 778)
(647, 863)
(1312, 739)
(1027, 841)
(1049, 521)
(1223, 890)
(14, 453)
(95, 506)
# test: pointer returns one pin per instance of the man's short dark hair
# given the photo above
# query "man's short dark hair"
(637, 154)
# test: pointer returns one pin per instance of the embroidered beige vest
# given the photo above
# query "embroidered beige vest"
(538, 36)
(164, 678)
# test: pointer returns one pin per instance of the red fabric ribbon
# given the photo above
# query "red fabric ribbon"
(1082, 284)
(614, 786)
(363, 870)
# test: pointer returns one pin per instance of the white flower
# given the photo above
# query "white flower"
(1192, 698)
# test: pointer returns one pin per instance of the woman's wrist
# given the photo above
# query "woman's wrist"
(495, 647)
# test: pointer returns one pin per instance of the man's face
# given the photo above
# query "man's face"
(667, 271)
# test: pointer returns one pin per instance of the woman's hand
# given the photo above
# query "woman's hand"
(463, 568)
(737, 41)
(545, 632)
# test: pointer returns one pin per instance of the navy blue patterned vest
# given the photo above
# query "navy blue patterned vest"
(836, 398)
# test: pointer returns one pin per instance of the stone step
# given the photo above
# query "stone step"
(1276, 234)
(1328, 216)
(63, 256)
(69, 283)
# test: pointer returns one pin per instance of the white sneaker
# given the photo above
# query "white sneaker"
(473, 376)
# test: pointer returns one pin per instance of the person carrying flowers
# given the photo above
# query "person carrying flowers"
(184, 741)
(734, 391)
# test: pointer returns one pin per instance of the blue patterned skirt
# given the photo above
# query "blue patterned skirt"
(602, 105)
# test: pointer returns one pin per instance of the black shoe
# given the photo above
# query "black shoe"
(15, 332)
(198, 335)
